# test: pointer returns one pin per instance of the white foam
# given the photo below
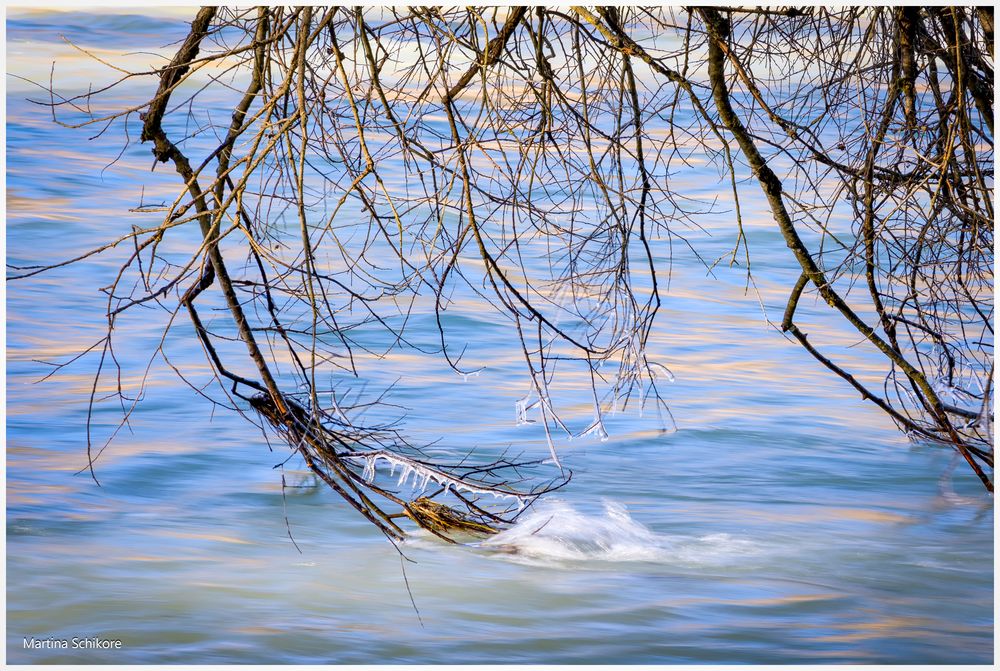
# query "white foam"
(555, 531)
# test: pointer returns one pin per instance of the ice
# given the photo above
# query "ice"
(596, 429)
(423, 475)
(336, 408)
(667, 374)
(475, 373)
(521, 411)
(521, 408)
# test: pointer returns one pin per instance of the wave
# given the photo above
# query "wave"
(555, 531)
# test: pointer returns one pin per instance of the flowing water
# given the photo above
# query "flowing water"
(784, 521)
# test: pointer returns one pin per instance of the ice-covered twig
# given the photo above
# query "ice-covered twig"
(422, 475)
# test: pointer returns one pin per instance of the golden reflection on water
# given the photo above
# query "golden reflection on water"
(35, 494)
(217, 538)
(882, 626)
(827, 513)
(170, 558)
(755, 602)
(72, 161)
(51, 209)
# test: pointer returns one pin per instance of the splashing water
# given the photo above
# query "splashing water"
(554, 531)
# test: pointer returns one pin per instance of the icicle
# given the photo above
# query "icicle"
(521, 408)
(422, 476)
(402, 476)
(369, 472)
(521, 412)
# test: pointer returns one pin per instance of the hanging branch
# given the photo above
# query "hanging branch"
(538, 152)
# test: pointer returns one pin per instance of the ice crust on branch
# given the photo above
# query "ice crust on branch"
(423, 475)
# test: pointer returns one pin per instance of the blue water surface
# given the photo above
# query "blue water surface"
(783, 521)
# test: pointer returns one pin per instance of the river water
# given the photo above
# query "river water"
(784, 521)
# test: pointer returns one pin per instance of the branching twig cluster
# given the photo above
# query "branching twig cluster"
(539, 148)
